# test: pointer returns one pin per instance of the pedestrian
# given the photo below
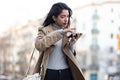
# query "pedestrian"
(56, 47)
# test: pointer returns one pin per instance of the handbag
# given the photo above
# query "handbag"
(36, 76)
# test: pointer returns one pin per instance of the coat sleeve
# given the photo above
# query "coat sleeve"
(46, 39)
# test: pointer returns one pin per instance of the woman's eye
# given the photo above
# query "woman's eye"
(62, 16)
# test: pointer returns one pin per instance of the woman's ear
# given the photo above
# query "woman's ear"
(54, 18)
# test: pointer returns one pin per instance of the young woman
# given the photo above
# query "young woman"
(56, 48)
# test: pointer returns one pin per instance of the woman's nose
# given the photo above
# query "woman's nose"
(66, 19)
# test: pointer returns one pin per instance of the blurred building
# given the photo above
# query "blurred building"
(16, 46)
(97, 51)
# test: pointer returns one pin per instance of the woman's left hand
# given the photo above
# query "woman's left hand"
(74, 38)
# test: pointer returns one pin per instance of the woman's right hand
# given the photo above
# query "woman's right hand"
(71, 30)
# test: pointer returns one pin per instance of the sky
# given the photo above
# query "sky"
(22, 11)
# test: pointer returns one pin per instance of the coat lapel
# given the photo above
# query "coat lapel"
(66, 49)
(74, 65)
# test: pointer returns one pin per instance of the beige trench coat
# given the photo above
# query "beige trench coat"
(43, 45)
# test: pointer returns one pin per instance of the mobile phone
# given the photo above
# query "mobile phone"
(71, 35)
(77, 34)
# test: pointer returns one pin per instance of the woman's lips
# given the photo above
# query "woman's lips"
(65, 23)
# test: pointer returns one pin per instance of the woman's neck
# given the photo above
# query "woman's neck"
(56, 27)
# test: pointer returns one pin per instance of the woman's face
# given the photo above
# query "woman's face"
(62, 18)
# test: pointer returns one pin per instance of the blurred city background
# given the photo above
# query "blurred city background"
(98, 50)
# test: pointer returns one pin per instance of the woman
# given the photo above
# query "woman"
(56, 48)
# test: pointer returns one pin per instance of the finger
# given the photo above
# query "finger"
(74, 38)
(73, 28)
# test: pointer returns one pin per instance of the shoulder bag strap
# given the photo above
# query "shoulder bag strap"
(30, 62)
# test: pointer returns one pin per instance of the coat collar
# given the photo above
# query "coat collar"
(49, 28)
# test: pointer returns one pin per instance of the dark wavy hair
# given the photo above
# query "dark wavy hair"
(55, 10)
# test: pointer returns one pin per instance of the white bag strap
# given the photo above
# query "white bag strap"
(30, 62)
(41, 66)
